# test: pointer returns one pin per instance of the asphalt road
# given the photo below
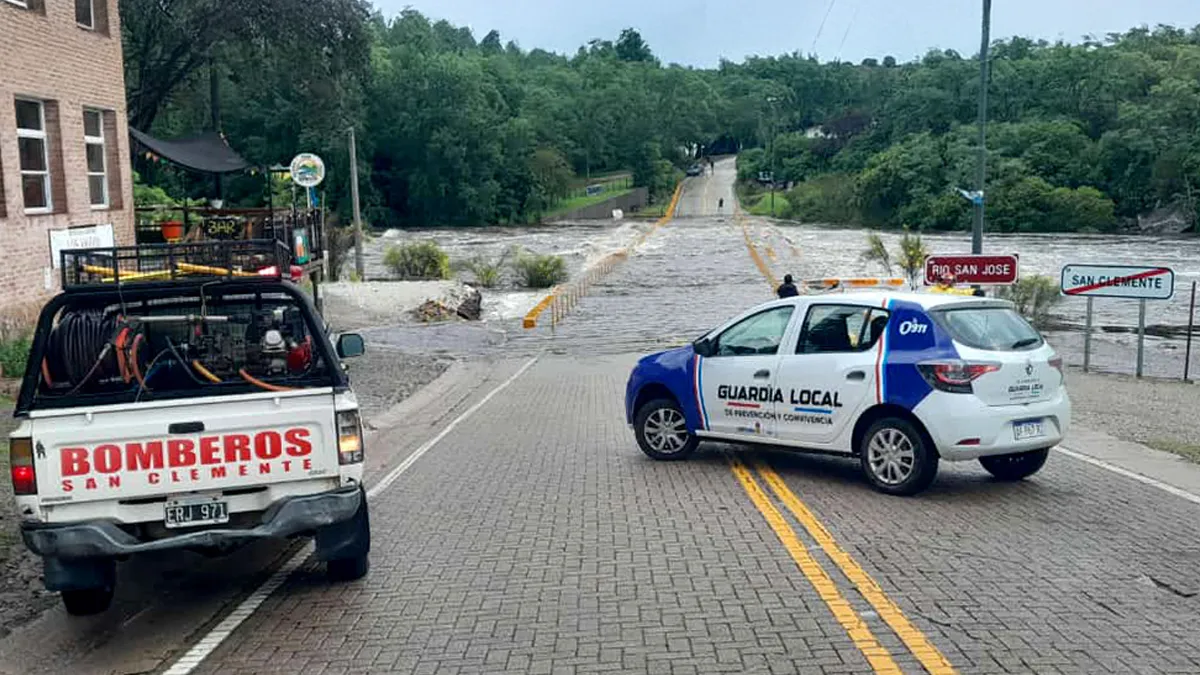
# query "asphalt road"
(526, 533)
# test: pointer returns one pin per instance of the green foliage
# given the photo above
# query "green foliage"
(761, 205)
(455, 131)
(831, 198)
(339, 242)
(487, 273)
(539, 271)
(1034, 297)
(418, 260)
(909, 256)
(876, 252)
(15, 342)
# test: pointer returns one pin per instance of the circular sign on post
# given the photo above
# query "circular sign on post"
(307, 170)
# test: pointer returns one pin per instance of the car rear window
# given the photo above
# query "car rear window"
(997, 329)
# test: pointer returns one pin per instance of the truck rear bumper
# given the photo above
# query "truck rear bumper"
(104, 539)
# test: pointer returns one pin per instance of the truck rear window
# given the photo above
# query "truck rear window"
(98, 349)
(994, 328)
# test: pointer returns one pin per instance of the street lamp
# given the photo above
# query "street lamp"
(981, 172)
(774, 131)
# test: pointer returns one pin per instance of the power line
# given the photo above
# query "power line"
(821, 29)
(853, 18)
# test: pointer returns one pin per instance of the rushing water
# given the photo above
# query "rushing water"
(696, 272)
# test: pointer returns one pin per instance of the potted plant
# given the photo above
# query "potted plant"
(172, 230)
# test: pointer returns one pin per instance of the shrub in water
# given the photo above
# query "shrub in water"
(418, 260)
(1034, 297)
(540, 271)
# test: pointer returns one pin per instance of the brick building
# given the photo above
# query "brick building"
(64, 155)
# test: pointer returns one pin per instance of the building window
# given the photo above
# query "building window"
(93, 139)
(85, 14)
(33, 149)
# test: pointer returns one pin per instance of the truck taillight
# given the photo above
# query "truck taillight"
(350, 442)
(954, 376)
(20, 462)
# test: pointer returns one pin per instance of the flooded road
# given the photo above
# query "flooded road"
(696, 271)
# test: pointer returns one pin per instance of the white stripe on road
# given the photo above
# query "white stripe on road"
(213, 639)
(1195, 499)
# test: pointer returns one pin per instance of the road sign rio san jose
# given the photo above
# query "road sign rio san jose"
(982, 270)
(1119, 281)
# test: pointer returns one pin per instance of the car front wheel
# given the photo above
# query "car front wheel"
(1016, 466)
(662, 431)
(895, 457)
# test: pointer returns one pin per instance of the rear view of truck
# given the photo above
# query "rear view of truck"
(183, 397)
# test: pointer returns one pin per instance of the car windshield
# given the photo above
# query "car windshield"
(997, 329)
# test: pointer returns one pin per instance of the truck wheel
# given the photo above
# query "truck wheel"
(87, 601)
(354, 562)
(1016, 466)
(895, 457)
(661, 430)
(348, 569)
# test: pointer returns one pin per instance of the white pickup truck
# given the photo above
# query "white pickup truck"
(183, 405)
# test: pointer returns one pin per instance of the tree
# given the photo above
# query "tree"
(631, 47)
(166, 42)
(490, 44)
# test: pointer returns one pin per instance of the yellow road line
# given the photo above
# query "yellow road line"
(575, 290)
(877, 655)
(914, 639)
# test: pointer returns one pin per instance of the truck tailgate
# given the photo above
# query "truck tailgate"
(168, 447)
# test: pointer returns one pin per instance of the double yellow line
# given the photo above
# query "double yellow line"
(876, 654)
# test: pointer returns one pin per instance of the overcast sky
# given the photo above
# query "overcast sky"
(700, 32)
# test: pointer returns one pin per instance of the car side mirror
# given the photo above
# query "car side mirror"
(350, 345)
(703, 347)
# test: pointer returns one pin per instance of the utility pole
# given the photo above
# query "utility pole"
(358, 233)
(774, 132)
(981, 175)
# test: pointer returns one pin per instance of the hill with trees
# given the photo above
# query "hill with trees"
(455, 130)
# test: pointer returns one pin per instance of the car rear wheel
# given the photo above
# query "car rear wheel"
(1016, 466)
(662, 432)
(895, 457)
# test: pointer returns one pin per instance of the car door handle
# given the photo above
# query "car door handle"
(185, 428)
(856, 376)
(762, 374)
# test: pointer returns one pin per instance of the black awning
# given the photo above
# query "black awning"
(207, 152)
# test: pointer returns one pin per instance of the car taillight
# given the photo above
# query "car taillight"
(20, 462)
(954, 376)
(350, 445)
(1056, 363)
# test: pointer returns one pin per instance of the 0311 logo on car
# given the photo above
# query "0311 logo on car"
(913, 327)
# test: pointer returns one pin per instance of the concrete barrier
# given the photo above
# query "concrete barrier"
(629, 202)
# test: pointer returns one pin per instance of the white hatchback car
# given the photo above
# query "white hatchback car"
(901, 380)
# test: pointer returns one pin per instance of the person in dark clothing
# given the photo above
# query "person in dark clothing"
(788, 288)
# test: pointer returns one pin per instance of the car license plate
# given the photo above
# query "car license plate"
(1027, 429)
(194, 511)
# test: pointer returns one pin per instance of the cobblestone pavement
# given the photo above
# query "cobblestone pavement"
(555, 546)
(536, 538)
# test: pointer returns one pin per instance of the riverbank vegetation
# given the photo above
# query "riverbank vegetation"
(459, 129)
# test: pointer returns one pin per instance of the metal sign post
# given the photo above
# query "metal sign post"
(1118, 281)
(1087, 338)
(1141, 334)
(1187, 355)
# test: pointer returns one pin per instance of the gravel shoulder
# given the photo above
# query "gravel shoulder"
(1153, 412)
